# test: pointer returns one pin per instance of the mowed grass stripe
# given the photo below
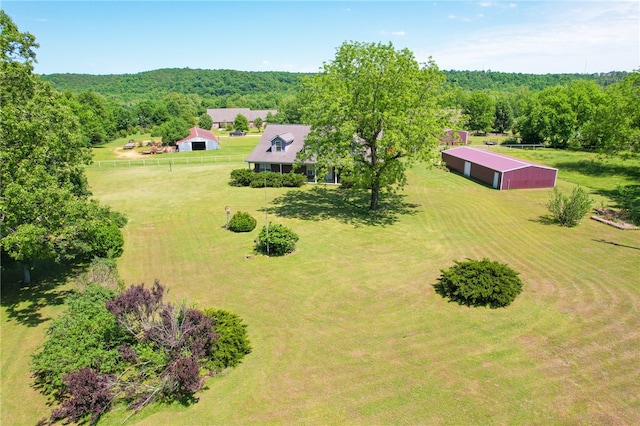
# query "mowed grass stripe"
(348, 329)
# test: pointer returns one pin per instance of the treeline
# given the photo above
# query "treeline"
(502, 81)
(217, 86)
(263, 90)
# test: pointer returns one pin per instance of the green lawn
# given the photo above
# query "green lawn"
(348, 329)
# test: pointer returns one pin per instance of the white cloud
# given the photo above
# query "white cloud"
(584, 36)
(398, 33)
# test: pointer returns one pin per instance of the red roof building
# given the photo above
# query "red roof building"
(497, 170)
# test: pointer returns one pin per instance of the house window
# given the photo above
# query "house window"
(278, 145)
(264, 167)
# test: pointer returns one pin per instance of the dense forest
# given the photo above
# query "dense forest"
(265, 88)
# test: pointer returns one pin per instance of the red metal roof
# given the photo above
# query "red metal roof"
(197, 132)
(492, 160)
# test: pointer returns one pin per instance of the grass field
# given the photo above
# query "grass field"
(348, 329)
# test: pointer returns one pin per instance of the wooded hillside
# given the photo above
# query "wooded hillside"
(214, 83)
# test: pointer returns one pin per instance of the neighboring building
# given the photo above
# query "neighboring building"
(277, 150)
(198, 140)
(223, 116)
(455, 137)
(499, 171)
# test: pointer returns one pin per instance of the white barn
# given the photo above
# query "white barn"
(198, 140)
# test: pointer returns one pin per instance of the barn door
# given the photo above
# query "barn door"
(467, 168)
(496, 179)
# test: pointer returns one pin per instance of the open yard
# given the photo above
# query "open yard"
(348, 329)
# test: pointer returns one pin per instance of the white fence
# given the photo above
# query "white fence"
(160, 160)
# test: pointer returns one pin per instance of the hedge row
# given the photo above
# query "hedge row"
(246, 177)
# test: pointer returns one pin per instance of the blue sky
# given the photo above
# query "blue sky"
(115, 37)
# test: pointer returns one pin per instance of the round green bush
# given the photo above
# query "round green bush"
(242, 222)
(232, 343)
(277, 241)
(480, 283)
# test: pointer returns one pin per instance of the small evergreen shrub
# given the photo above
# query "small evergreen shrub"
(232, 343)
(479, 283)
(277, 241)
(569, 211)
(242, 222)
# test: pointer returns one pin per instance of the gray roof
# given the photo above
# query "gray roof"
(228, 115)
(296, 133)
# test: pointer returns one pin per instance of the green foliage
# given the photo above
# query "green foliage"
(373, 110)
(205, 121)
(241, 123)
(293, 180)
(172, 131)
(503, 120)
(43, 151)
(569, 211)
(258, 123)
(102, 272)
(241, 177)
(628, 198)
(479, 283)
(479, 108)
(86, 336)
(276, 240)
(246, 177)
(242, 222)
(232, 343)
(268, 179)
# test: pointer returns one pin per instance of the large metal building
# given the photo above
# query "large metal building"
(499, 171)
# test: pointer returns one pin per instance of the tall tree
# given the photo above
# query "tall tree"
(479, 109)
(45, 212)
(205, 121)
(241, 123)
(503, 120)
(373, 110)
(614, 126)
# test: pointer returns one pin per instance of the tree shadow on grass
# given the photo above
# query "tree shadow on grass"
(345, 205)
(24, 302)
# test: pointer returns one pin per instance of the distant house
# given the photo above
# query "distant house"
(198, 140)
(277, 150)
(455, 137)
(223, 116)
(498, 171)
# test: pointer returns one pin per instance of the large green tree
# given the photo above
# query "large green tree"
(45, 210)
(614, 125)
(480, 111)
(241, 123)
(373, 110)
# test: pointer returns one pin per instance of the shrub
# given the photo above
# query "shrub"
(241, 177)
(103, 272)
(277, 240)
(293, 180)
(479, 283)
(242, 222)
(628, 198)
(87, 335)
(232, 343)
(569, 211)
(86, 392)
(269, 179)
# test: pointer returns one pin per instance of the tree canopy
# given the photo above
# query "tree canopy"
(45, 208)
(372, 111)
